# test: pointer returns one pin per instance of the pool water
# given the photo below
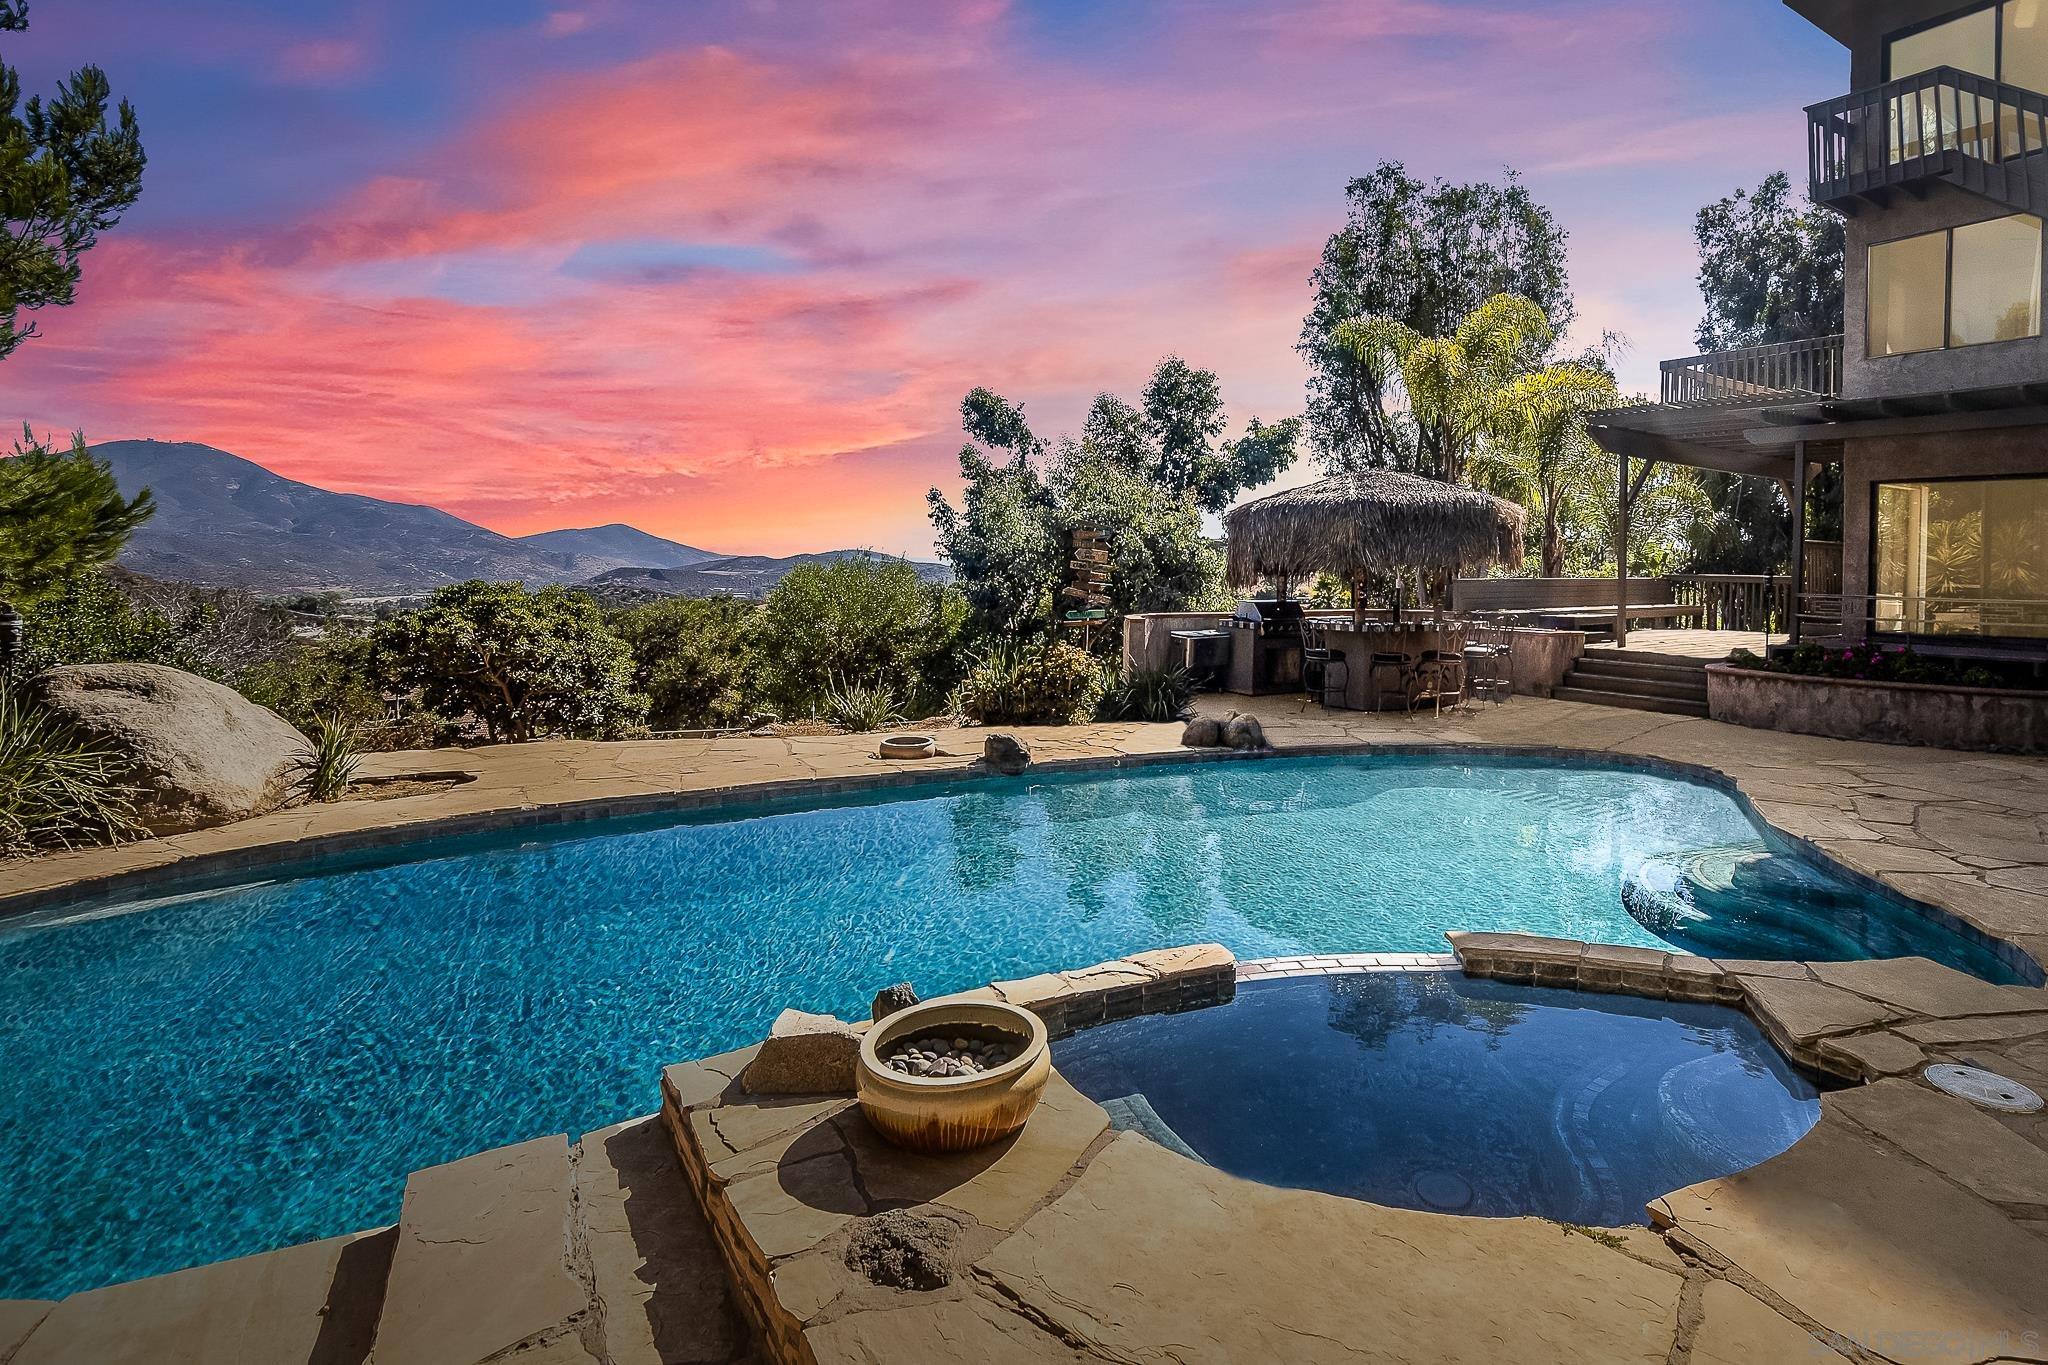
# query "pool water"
(1428, 1090)
(236, 1069)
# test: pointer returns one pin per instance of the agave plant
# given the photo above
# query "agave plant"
(860, 707)
(57, 788)
(330, 765)
(1153, 694)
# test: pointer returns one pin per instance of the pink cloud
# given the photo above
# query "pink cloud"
(905, 209)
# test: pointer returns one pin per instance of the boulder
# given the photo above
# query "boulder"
(1244, 733)
(1007, 754)
(890, 999)
(201, 753)
(1203, 732)
(804, 1054)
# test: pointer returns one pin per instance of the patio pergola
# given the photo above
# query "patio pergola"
(1376, 521)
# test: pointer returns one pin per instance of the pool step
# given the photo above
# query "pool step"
(313, 1304)
(488, 1260)
(1631, 701)
(1662, 683)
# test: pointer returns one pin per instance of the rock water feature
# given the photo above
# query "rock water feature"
(940, 1057)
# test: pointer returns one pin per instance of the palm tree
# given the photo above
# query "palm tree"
(1454, 383)
(1539, 454)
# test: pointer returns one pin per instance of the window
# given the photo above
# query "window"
(1996, 294)
(1963, 557)
(1908, 294)
(2006, 42)
(1958, 287)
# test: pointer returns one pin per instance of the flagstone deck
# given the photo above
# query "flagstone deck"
(1908, 1225)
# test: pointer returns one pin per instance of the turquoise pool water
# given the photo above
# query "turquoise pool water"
(242, 1068)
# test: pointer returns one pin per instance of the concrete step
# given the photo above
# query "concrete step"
(661, 1285)
(1669, 705)
(1678, 689)
(489, 1259)
(1648, 656)
(1600, 665)
(314, 1304)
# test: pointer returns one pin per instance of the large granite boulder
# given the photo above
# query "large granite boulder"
(201, 753)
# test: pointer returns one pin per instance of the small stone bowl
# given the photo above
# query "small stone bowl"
(935, 1114)
(910, 746)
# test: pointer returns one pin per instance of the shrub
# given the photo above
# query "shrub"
(861, 708)
(329, 676)
(693, 659)
(1153, 694)
(57, 788)
(525, 663)
(1873, 663)
(89, 620)
(1039, 684)
(863, 620)
(327, 769)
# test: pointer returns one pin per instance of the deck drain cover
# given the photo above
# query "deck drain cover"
(1979, 1086)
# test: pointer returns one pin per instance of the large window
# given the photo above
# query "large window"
(1963, 557)
(1958, 287)
(2008, 42)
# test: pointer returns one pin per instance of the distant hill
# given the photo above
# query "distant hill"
(739, 575)
(227, 521)
(626, 547)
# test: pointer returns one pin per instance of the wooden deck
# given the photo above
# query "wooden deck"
(1708, 646)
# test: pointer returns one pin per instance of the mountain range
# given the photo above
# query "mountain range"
(224, 520)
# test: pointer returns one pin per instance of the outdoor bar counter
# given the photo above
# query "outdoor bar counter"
(1362, 692)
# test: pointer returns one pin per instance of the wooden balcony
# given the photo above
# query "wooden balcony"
(1943, 124)
(1788, 369)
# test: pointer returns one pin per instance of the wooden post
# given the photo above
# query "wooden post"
(1798, 537)
(1621, 558)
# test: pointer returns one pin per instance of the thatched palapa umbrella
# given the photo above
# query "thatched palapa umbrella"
(1371, 522)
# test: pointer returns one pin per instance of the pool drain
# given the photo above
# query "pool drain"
(1444, 1191)
(1979, 1086)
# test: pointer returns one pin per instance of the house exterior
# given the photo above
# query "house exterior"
(1935, 400)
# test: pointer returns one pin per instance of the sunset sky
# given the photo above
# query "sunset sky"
(723, 270)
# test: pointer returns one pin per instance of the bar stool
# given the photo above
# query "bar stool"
(1401, 669)
(1323, 670)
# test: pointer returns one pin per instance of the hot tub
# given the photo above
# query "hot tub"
(1429, 1090)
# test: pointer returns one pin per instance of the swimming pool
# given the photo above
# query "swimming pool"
(1428, 1090)
(236, 1069)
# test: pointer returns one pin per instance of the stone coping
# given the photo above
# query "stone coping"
(1903, 1223)
(24, 889)
(1858, 1021)
(1906, 1225)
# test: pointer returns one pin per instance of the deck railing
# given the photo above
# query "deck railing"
(1736, 601)
(1786, 369)
(1939, 122)
(2020, 623)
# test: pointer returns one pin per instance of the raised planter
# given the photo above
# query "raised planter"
(909, 746)
(961, 1112)
(1987, 719)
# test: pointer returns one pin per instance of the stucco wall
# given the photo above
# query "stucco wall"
(1889, 459)
(1891, 713)
(1963, 367)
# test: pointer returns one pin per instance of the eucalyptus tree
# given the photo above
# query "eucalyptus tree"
(1424, 255)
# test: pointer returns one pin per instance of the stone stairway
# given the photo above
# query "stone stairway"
(544, 1253)
(1638, 680)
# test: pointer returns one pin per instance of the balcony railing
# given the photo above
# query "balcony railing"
(1984, 135)
(1788, 369)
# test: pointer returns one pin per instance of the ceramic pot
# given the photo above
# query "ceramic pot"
(954, 1113)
